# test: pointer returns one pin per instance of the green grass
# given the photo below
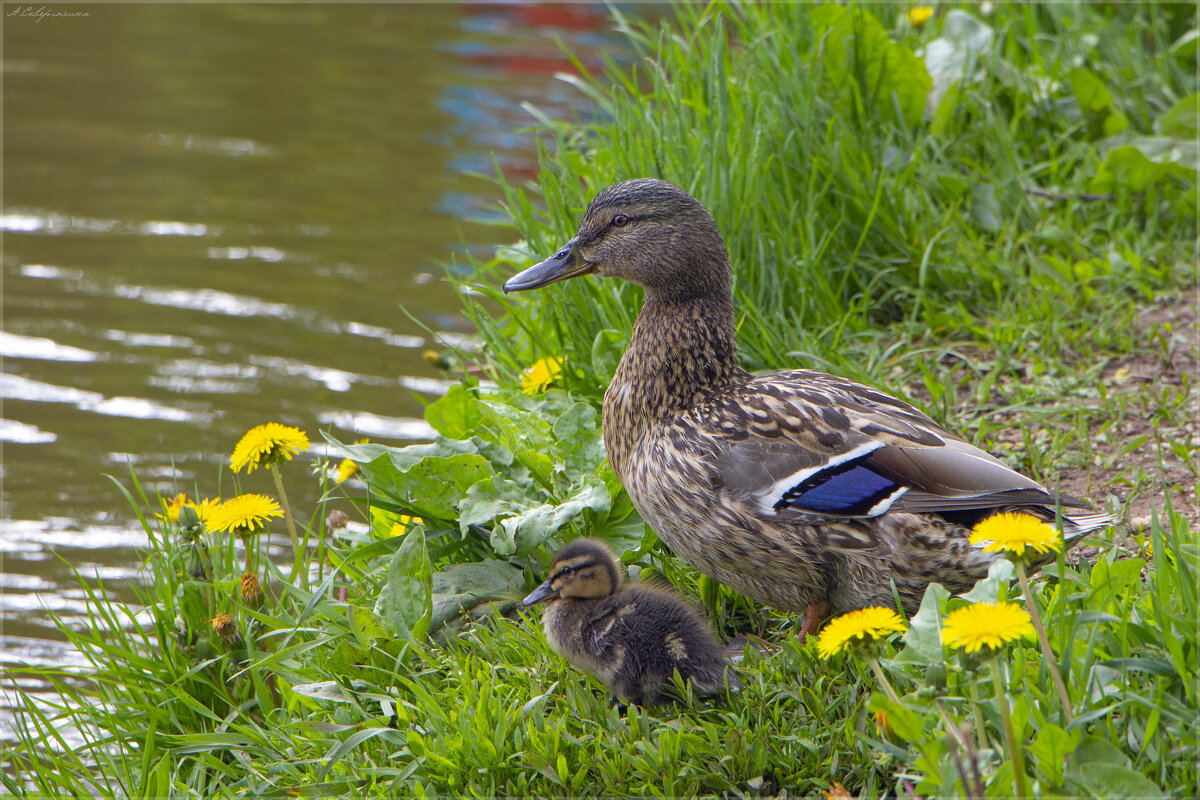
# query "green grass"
(998, 263)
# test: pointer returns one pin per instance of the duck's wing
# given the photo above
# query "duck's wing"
(804, 444)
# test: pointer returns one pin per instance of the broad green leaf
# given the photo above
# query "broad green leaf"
(1117, 782)
(402, 457)
(1182, 119)
(453, 414)
(923, 639)
(1050, 749)
(525, 434)
(856, 47)
(1093, 750)
(432, 487)
(490, 498)
(1090, 92)
(462, 587)
(1115, 123)
(995, 586)
(907, 724)
(1128, 169)
(577, 431)
(528, 530)
(406, 599)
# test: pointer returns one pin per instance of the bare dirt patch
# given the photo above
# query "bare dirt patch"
(1163, 406)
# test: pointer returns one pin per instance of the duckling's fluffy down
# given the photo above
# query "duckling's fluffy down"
(634, 641)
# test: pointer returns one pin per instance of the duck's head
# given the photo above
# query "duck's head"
(646, 231)
(582, 568)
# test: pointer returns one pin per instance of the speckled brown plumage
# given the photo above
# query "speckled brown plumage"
(632, 637)
(802, 490)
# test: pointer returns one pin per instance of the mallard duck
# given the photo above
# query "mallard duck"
(805, 491)
(633, 637)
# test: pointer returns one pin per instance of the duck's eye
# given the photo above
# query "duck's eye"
(565, 571)
(620, 221)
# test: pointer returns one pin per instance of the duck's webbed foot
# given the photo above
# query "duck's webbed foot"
(814, 615)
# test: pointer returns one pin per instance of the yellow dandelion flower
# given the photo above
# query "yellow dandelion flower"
(986, 624)
(539, 377)
(917, 17)
(266, 444)
(251, 590)
(171, 510)
(244, 514)
(347, 469)
(861, 625)
(206, 507)
(402, 524)
(883, 725)
(180, 501)
(1013, 532)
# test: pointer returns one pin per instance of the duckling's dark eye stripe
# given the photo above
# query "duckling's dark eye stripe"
(569, 568)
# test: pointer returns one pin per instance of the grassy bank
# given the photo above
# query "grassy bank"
(1014, 255)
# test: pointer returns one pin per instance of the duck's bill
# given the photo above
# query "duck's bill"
(566, 263)
(543, 592)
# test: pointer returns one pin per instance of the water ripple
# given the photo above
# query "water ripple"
(210, 301)
(14, 346)
(20, 433)
(55, 224)
(15, 387)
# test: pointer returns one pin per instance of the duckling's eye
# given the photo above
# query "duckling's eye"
(620, 221)
(565, 571)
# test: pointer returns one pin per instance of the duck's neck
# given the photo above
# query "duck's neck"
(681, 350)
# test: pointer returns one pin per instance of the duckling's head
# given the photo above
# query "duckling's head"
(646, 231)
(582, 568)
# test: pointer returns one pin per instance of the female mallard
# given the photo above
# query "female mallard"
(632, 637)
(802, 490)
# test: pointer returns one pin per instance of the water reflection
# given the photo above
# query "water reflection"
(212, 215)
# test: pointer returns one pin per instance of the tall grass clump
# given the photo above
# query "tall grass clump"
(853, 190)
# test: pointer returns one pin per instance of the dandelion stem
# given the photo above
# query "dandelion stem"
(1063, 696)
(977, 712)
(1018, 755)
(297, 551)
(880, 676)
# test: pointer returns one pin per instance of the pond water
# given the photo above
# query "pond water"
(212, 215)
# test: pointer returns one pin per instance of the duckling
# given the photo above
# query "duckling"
(805, 491)
(632, 637)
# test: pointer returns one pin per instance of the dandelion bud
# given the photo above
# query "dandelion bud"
(224, 626)
(251, 590)
(189, 517)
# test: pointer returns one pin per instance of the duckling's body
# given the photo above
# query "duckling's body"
(805, 491)
(632, 637)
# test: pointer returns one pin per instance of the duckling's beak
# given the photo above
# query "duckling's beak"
(543, 592)
(566, 263)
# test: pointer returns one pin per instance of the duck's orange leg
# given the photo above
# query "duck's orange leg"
(814, 615)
